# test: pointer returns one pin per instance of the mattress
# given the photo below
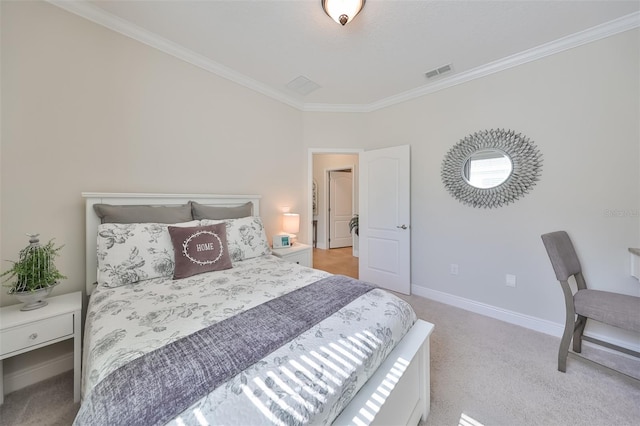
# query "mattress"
(308, 380)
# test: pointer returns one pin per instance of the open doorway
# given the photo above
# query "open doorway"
(340, 208)
(332, 252)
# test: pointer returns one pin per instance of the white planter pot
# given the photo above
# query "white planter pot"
(33, 299)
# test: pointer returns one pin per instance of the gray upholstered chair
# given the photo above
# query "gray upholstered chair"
(619, 310)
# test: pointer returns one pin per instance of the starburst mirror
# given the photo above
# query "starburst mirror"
(491, 168)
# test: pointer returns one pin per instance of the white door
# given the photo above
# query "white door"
(340, 208)
(384, 222)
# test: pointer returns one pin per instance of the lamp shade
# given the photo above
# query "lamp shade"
(342, 11)
(291, 223)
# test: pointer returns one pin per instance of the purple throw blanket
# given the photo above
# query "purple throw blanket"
(156, 387)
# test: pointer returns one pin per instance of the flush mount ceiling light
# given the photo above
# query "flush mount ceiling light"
(342, 11)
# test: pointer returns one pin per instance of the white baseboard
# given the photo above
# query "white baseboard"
(37, 373)
(512, 317)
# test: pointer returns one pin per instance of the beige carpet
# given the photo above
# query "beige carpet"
(46, 403)
(500, 374)
(483, 371)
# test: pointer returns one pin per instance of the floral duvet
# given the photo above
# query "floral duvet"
(309, 380)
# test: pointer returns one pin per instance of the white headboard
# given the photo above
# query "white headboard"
(92, 219)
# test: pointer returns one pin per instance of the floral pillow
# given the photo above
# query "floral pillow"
(132, 252)
(246, 237)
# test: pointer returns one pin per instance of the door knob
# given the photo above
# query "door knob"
(402, 226)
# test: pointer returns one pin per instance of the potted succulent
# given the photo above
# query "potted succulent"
(354, 225)
(354, 228)
(34, 275)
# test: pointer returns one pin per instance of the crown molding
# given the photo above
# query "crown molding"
(95, 14)
(589, 35)
(311, 107)
(126, 28)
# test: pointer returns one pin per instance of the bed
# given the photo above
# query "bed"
(366, 362)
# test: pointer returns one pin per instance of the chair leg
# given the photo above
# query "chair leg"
(564, 346)
(581, 322)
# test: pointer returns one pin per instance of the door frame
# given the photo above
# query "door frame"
(327, 198)
(310, 153)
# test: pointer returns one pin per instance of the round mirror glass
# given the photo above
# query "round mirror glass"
(487, 168)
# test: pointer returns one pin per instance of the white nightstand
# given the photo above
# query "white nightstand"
(24, 331)
(298, 253)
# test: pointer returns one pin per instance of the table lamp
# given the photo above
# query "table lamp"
(291, 225)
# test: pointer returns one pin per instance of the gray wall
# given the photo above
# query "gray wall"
(581, 108)
(87, 109)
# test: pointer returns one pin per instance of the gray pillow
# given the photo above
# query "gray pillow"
(143, 214)
(200, 211)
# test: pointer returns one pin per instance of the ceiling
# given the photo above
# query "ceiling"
(379, 58)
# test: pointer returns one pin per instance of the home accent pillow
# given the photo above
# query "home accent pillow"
(245, 237)
(200, 211)
(143, 214)
(132, 252)
(199, 249)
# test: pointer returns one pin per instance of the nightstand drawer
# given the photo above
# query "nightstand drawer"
(22, 337)
(299, 258)
(298, 253)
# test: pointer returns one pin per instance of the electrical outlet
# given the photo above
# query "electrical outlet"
(454, 269)
(510, 280)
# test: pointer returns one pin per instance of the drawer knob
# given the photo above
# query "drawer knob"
(33, 336)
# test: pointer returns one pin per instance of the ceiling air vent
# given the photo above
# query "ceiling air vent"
(302, 85)
(438, 71)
